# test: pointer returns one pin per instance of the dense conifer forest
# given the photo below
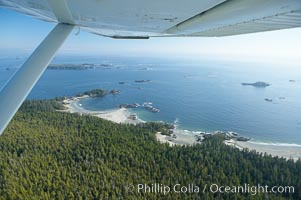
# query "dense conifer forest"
(46, 154)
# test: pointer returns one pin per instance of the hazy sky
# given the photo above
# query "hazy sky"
(22, 33)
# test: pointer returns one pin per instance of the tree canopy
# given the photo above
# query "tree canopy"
(45, 154)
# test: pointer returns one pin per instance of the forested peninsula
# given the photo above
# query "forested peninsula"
(45, 154)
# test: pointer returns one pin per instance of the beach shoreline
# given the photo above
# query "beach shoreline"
(184, 137)
(281, 150)
(180, 137)
(118, 115)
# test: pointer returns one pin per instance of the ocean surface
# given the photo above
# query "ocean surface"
(197, 95)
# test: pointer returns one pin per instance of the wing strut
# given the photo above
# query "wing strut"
(18, 87)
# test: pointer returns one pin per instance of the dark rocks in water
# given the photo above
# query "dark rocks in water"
(268, 100)
(292, 80)
(242, 139)
(171, 126)
(133, 117)
(125, 106)
(152, 109)
(114, 92)
(226, 135)
(148, 106)
(199, 138)
(258, 84)
(135, 105)
(121, 82)
(142, 81)
(229, 135)
(232, 133)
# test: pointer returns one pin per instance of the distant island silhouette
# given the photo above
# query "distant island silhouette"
(258, 84)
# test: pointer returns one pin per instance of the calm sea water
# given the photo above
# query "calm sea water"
(204, 95)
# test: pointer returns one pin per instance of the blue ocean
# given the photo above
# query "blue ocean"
(197, 95)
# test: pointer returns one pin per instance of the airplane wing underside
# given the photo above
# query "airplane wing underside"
(144, 18)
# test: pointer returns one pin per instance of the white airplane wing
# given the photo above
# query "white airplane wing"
(130, 19)
(145, 18)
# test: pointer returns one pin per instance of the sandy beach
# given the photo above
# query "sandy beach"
(118, 115)
(180, 137)
(184, 137)
(280, 150)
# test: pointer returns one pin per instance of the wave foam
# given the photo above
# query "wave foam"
(276, 144)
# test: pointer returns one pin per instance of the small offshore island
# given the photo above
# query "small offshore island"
(258, 84)
(98, 93)
(171, 134)
(142, 81)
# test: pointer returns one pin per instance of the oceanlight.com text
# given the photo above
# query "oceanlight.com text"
(211, 188)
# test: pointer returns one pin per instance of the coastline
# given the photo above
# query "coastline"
(118, 115)
(181, 137)
(184, 137)
(281, 150)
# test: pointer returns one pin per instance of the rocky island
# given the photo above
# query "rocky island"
(227, 135)
(268, 100)
(142, 81)
(135, 105)
(98, 93)
(258, 84)
(146, 105)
